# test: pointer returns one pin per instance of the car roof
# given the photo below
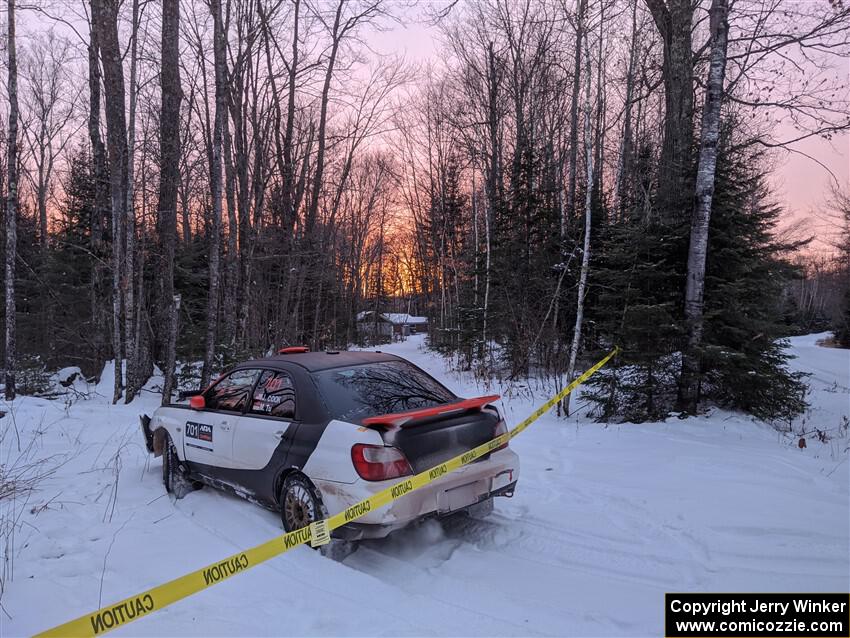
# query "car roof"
(318, 361)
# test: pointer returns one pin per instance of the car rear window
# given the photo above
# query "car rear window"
(354, 393)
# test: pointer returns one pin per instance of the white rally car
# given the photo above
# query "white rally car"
(312, 433)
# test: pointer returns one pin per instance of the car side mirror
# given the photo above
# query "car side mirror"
(197, 402)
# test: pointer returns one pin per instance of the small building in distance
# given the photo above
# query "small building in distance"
(390, 325)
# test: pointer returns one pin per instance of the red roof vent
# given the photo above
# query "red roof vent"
(293, 350)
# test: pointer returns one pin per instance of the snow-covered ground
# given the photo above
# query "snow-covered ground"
(604, 521)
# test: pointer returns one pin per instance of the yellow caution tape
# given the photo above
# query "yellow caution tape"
(118, 614)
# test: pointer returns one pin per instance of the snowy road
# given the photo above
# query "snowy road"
(604, 521)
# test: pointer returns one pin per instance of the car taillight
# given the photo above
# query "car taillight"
(501, 428)
(379, 462)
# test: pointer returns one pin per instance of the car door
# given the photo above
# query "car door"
(265, 432)
(208, 436)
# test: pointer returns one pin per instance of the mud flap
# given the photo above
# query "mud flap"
(146, 432)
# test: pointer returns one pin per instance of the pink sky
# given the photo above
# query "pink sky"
(804, 185)
(800, 182)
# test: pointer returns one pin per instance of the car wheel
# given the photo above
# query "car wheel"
(300, 505)
(173, 478)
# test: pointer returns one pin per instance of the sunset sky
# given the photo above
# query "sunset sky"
(801, 182)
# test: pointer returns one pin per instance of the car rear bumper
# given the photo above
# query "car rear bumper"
(361, 531)
(455, 492)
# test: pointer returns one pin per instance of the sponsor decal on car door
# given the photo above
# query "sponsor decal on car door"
(208, 433)
(202, 433)
(268, 427)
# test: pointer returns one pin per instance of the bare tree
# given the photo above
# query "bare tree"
(219, 44)
(290, 205)
(674, 21)
(11, 207)
(338, 31)
(287, 163)
(343, 26)
(574, 106)
(588, 218)
(105, 21)
(624, 160)
(493, 174)
(697, 253)
(131, 350)
(169, 176)
(51, 111)
(101, 207)
(783, 67)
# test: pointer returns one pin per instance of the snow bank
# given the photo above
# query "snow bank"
(604, 521)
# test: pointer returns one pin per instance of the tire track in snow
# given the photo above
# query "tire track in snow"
(400, 608)
(485, 578)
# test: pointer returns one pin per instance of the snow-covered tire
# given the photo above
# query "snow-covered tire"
(301, 504)
(173, 477)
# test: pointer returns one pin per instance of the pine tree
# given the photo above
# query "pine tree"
(842, 324)
(744, 358)
(638, 307)
(453, 327)
(526, 251)
(70, 290)
(639, 274)
(460, 331)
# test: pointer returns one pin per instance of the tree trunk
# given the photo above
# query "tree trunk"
(310, 248)
(599, 138)
(101, 202)
(131, 337)
(689, 381)
(41, 199)
(674, 21)
(493, 175)
(215, 189)
(169, 176)
(588, 208)
(571, 187)
(624, 162)
(313, 209)
(288, 169)
(11, 208)
(231, 265)
(105, 20)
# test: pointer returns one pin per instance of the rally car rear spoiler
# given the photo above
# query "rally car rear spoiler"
(399, 419)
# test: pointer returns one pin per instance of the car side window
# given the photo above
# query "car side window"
(275, 395)
(232, 392)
